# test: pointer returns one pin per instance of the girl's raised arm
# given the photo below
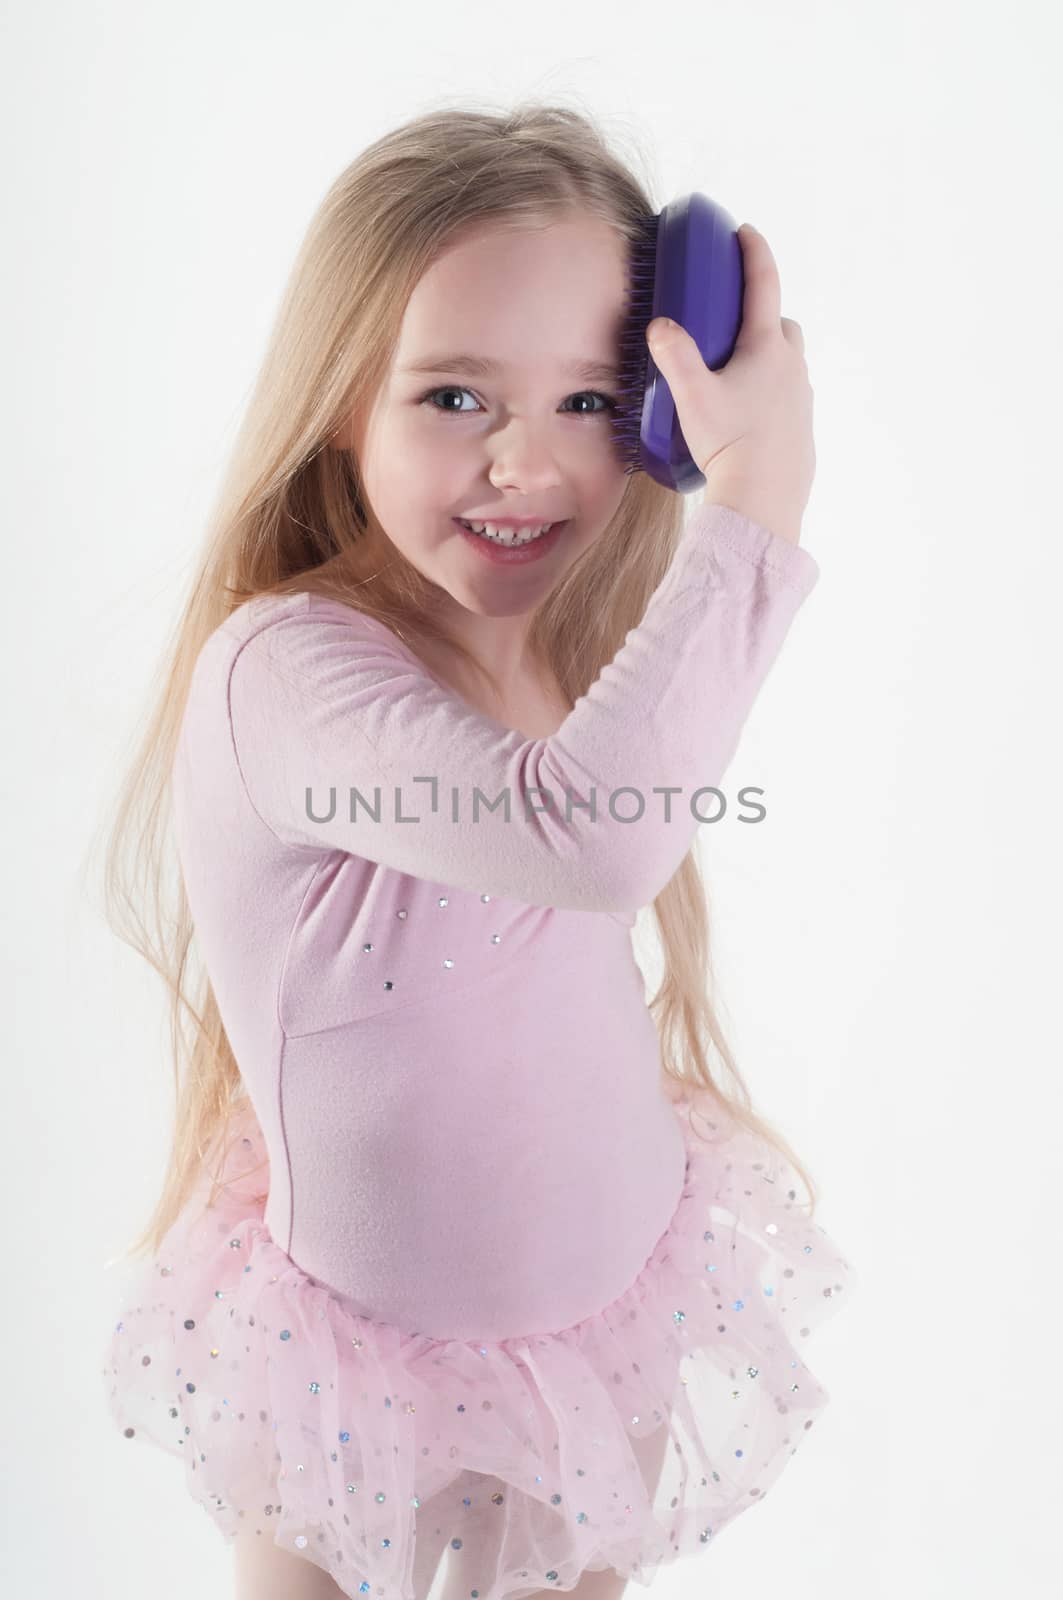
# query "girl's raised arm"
(324, 699)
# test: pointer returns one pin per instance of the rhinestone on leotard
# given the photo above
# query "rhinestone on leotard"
(447, 962)
(402, 915)
(388, 984)
(367, 948)
(443, 900)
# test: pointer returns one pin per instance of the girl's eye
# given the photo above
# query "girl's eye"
(609, 403)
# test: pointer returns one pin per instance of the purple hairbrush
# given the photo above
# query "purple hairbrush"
(687, 266)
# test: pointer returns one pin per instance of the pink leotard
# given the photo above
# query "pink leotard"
(441, 1023)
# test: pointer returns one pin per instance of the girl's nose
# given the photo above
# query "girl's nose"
(522, 459)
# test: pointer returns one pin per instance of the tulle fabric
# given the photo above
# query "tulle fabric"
(338, 1437)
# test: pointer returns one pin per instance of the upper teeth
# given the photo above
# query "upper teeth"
(504, 535)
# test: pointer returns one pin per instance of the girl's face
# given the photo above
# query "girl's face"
(530, 437)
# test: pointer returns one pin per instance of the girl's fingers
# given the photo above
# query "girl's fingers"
(761, 301)
(792, 332)
(762, 295)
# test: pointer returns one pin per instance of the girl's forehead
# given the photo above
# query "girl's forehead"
(579, 248)
(564, 287)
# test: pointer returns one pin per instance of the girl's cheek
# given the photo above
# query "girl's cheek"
(432, 444)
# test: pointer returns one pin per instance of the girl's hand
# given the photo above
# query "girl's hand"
(749, 425)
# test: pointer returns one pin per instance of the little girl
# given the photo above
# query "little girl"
(469, 1277)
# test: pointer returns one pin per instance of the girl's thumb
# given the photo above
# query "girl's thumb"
(660, 333)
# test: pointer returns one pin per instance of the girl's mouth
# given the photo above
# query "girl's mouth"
(515, 552)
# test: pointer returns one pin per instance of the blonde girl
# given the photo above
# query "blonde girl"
(474, 1273)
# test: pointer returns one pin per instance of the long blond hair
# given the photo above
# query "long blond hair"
(291, 516)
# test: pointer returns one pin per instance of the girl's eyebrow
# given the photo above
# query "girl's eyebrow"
(482, 367)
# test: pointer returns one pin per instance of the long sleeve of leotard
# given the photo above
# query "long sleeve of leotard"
(323, 698)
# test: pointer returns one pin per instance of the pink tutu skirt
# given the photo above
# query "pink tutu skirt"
(349, 1441)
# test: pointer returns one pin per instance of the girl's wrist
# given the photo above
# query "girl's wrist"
(761, 507)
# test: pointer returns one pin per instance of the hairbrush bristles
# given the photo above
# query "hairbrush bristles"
(633, 350)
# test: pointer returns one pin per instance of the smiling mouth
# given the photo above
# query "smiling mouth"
(509, 538)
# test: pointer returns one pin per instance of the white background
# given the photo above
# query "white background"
(888, 946)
